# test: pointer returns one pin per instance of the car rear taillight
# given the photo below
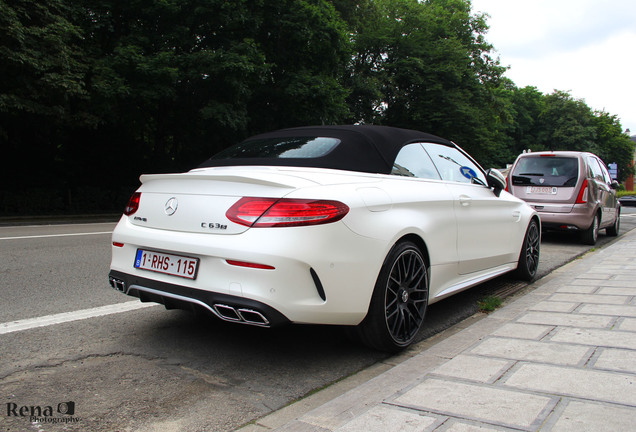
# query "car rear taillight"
(582, 198)
(285, 212)
(133, 204)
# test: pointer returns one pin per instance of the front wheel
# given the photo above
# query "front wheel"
(529, 257)
(399, 300)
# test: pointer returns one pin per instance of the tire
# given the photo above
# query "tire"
(613, 230)
(530, 251)
(590, 235)
(399, 300)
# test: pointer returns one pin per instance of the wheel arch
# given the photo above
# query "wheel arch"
(535, 217)
(420, 243)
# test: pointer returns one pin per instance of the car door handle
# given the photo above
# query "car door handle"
(465, 200)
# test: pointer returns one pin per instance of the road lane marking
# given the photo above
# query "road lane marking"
(64, 317)
(55, 235)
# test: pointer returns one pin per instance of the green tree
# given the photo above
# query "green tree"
(179, 80)
(170, 80)
(567, 124)
(306, 49)
(366, 77)
(528, 104)
(41, 70)
(614, 146)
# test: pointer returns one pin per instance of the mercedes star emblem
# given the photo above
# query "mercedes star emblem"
(171, 206)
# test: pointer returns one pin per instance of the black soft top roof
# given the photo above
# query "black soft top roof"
(363, 148)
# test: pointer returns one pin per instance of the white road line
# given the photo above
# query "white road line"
(45, 321)
(55, 235)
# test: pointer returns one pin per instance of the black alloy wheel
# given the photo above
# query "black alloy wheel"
(399, 301)
(530, 251)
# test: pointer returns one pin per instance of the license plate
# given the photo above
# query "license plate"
(175, 265)
(543, 190)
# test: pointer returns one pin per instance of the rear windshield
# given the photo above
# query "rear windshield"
(546, 171)
(282, 147)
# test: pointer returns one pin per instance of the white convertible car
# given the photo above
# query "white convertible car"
(362, 226)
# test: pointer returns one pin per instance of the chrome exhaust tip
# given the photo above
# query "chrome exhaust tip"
(253, 317)
(242, 315)
(227, 313)
(118, 284)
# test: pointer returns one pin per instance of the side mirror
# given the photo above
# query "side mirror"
(615, 185)
(496, 180)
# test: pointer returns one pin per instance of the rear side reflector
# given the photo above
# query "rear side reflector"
(133, 204)
(285, 212)
(250, 265)
(117, 244)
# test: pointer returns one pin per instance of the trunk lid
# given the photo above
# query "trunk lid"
(203, 196)
(197, 201)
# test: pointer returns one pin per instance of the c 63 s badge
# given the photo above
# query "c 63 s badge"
(213, 225)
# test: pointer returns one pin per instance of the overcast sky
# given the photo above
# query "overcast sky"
(585, 47)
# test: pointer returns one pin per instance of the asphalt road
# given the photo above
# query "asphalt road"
(152, 369)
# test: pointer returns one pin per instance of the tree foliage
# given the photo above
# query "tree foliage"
(95, 92)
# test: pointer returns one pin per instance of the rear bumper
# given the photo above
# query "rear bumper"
(579, 218)
(223, 306)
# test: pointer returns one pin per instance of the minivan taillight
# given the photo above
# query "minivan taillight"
(133, 204)
(285, 212)
(582, 198)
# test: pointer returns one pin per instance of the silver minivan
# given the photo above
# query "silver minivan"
(570, 190)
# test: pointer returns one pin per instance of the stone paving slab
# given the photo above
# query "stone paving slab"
(552, 306)
(618, 291)
(627, 324)
(571, 320)
(382, 419)
(475, 368)
(523, 331)
(590, 298)
(594, 337)
(583, 383)
(483, 403)
(594, 417)
(616, 359)
(611, 310)
(523, 349)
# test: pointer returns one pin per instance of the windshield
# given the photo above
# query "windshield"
(546, 171)
(282, 147)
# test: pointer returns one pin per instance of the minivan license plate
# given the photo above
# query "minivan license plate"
(175, 265)
(545, 190)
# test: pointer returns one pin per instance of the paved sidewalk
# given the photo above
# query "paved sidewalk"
(560, 358)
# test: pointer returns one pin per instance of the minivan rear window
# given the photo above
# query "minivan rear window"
(546, 171)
